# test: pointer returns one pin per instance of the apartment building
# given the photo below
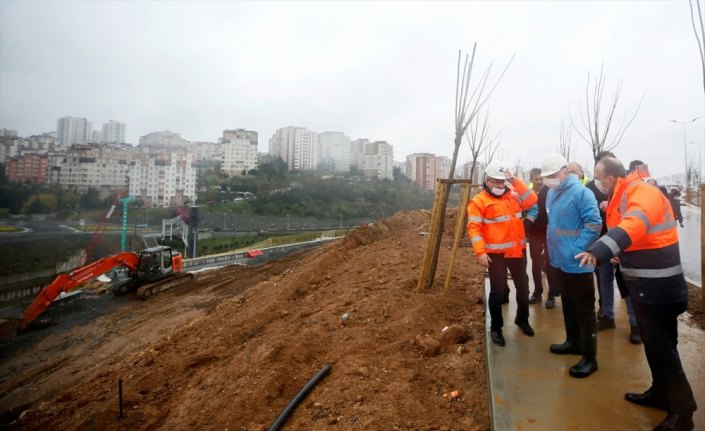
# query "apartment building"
(239, 151)
(477, 175)
(164, 139)
(74, 130)
(9, 147)
(28, 168)
(162, 173)
(43, 143)
(8, 133)
(101, 166)
(424, 169)
(207, 151)
(374, 159)
(113, 132)
(297, 146)
(334, 151)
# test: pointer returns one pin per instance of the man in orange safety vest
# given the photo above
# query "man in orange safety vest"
(642, 237)
(496, 230)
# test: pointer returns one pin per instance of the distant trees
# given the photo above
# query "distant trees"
(41, 203)
(91, 199)
(333, 197)
(42, 199)
(399, 177)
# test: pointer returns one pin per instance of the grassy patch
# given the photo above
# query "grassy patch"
(4, 229)
(225, 244)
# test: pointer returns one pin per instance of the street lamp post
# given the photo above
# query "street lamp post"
(700, 159)
(685, 151)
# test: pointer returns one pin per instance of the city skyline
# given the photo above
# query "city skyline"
(267, 66)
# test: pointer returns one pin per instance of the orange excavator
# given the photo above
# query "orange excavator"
(153, 270)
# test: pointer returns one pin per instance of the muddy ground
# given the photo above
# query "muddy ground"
(231, 349)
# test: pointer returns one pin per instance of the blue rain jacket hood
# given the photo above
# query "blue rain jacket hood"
(574, 223)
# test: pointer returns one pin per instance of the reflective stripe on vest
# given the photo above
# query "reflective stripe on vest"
(475, 239)
(504, 245)
(499, 219)
(610, 243)
(525, 195)
(652, 273)
(668, 224)
(500, 246)
(641, 215)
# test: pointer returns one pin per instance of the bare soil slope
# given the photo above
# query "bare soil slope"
(229, 351)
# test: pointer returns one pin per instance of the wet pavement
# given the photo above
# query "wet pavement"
(530, 388)
(689, 237)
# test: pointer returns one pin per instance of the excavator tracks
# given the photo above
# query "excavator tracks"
(150, 289)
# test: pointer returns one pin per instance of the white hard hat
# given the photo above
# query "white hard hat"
(552, 163)
(496, 169)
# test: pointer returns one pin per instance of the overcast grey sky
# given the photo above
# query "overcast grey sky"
(382, 71)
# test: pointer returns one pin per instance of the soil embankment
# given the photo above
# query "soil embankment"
(232, 348)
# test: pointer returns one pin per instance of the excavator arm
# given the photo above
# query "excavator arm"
(67, 282)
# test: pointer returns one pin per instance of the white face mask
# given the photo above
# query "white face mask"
(497, 191)
(600, 187)
(552, 183)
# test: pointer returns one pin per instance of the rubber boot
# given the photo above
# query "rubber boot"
(588, 363)
(571, 346)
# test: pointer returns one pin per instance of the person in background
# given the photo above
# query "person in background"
(573, 225)
(675, 199)
(577, 170)
(496, 231)
(653, 182)
(643, 238)
(605, 274)
(536, 233)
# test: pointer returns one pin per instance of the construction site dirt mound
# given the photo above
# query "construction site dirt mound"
(230, 350)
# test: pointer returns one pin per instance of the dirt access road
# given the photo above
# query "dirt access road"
(231, 349)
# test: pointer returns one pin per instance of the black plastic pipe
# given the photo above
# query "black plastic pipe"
(284, 415)
(120, 397)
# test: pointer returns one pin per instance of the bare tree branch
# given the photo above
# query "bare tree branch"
(565, 141)
(597, 128)
(478, 138)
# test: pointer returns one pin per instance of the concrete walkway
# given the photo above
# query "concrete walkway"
(530, 388)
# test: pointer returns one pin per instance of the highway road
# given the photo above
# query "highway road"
(689, 236)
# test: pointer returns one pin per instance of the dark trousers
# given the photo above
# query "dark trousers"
(578, 301)
(537, 245)
(658, 326)
(498, 282)
(552, 275)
